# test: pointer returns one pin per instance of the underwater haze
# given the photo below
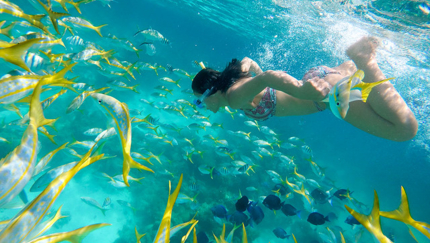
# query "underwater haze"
(156, 50)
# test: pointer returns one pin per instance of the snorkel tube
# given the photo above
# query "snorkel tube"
(199, 102)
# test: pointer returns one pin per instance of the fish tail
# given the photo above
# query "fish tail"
(402, 214)
(53, 16)
(295, 241)
(76, 5)
(137, 53)
(371, 222)
(130, 163)
(37, 17)
(104, 211)
(14, 53)
(49, 136)
(138, 236)
(165, 222)
(97, 29)
(212, 169)
(134, 88)
(7, 30)
(367, 87)
(77, 235)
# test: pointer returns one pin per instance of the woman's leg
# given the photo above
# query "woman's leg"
(385, 114)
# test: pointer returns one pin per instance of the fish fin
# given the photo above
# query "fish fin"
(36, 111)
(402, 214)
(97, 29)
(75, 236)
(76, 5)
(342, 238)
(23, 197)
(53, 16)
(49, 136)
(128, 163)
(14, 53)
(104, 211)
(138, 236)
(165, 222)
(372, 221)
(134, 88)
(7, 30)
(365, 88)
(298, 213)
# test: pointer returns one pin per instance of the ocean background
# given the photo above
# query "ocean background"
(280, 35)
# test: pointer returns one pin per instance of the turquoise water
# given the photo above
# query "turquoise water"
(282, 35)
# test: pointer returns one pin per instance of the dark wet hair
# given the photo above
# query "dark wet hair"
(209, 78)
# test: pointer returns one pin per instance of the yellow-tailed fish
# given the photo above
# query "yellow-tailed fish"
(17, 167)
(15, 88)
(74, 4)
(347, 90)
(92, 202)
(372, 221)
(14, 10)
(403, 214)
(15, 53)
(118, 111)
(164, 228)
(45, 160)
(80, 22)
(21, 226)
(48, 42)
(53, 16)
(76, 235)
(79, 100)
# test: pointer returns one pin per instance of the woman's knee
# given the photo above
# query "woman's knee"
(407, 130)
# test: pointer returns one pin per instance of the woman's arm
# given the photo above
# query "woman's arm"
(249, 65)
(242, 93)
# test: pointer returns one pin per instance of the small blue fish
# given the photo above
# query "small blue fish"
(351, 220)
(273, 202)
(290, 210)
(256, 213)
(242, 204)
(219, 211)
(316, 218)
(238, 218)
(280, 233)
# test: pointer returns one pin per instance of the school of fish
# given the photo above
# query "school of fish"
(49, 55)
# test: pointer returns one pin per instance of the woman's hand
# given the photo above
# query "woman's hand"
(249, 65)
(315, 89)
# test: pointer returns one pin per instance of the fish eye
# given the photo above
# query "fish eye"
(100, 101)
(337, 103)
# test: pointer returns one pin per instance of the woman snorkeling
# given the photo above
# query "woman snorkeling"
(275, 93)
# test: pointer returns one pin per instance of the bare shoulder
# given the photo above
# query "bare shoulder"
(235, 95)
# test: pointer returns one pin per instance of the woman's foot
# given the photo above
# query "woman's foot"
(363, 52)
